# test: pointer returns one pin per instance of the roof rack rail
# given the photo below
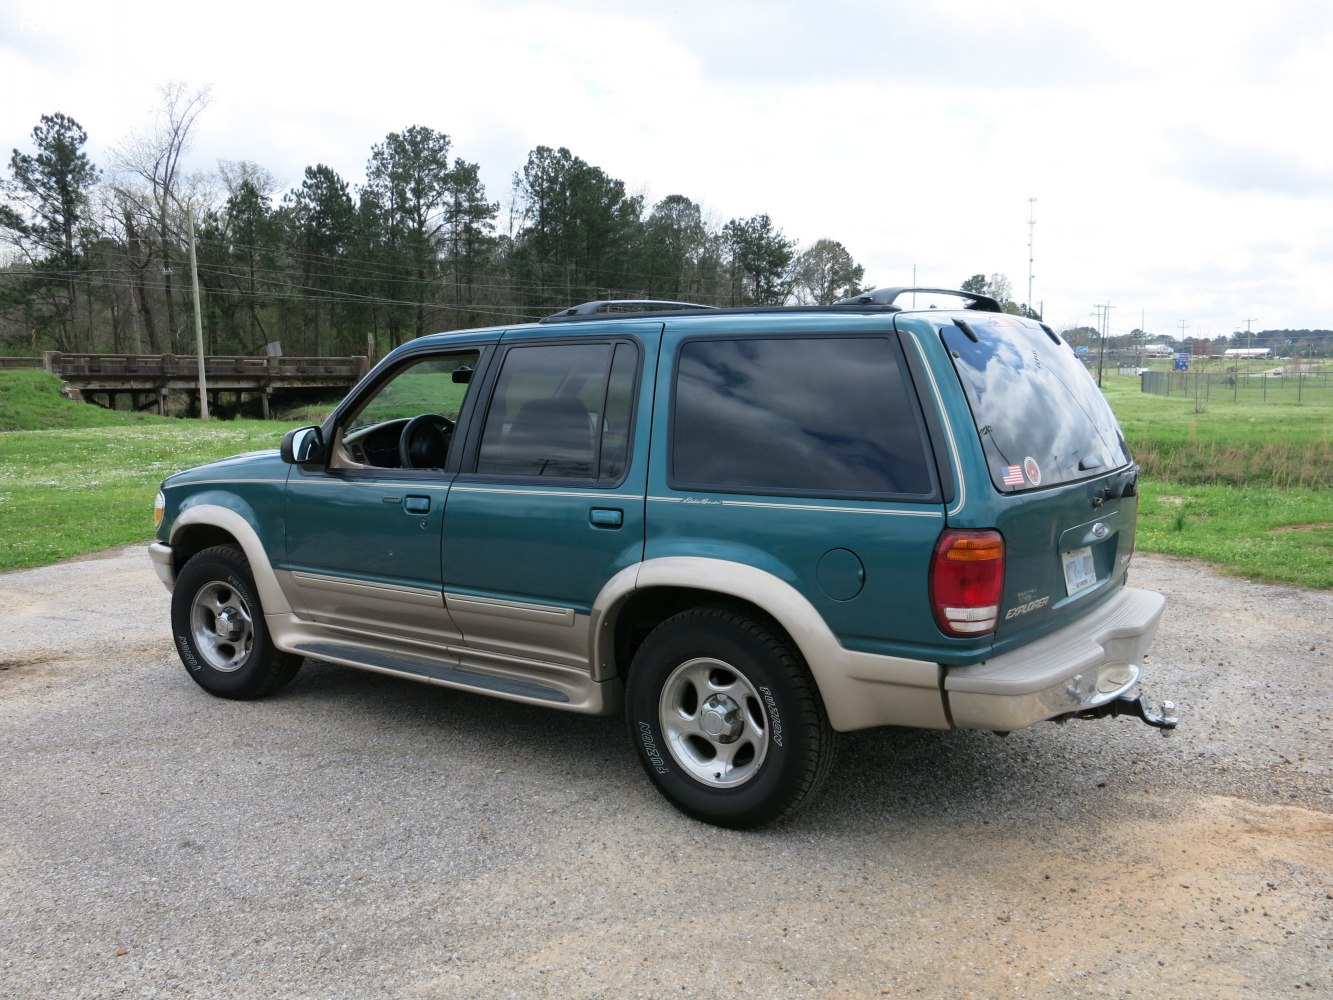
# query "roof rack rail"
(886, 297)
(621, 305)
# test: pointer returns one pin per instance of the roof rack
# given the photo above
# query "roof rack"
(886, 297)
(622, 305)
(882, 299)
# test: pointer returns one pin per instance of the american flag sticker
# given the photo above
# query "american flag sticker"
(1013, 475)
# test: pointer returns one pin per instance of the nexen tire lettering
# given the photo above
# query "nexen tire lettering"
(773, 714)
(186, 655)
(650, 748)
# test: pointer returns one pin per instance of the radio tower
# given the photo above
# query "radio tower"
(1032, 221)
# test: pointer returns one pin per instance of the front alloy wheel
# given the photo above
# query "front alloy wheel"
(219, 629)
(222, 626)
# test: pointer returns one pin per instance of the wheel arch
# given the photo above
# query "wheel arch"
(204, 525)
(639, 598)
(859, 690)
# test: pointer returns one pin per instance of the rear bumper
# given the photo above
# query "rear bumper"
(1091, 662)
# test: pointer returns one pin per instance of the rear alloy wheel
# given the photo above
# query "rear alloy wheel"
(219, 628)
(726, 719)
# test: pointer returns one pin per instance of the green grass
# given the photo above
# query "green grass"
(76, 478)
(1248, 443)
(30, 400)
(1244, 486)
(1273, 535)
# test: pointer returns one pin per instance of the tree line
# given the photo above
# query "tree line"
(96, 258)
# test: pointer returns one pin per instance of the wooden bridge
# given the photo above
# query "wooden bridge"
(147, 378)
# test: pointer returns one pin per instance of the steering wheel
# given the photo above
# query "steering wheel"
(425, 441)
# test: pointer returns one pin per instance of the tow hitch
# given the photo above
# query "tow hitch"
(1162, 718)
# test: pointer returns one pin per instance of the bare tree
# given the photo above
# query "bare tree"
(154, 158)
(235, 173)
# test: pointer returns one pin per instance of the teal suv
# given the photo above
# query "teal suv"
(750, 530)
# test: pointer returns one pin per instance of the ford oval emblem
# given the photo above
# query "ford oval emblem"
(1099, 530)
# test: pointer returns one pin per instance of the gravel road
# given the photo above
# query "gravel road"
(360, 836)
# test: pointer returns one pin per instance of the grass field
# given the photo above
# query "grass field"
(76, 478)
(1246, 486)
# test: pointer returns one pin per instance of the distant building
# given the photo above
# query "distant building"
(1248, 352)
(1157, 350)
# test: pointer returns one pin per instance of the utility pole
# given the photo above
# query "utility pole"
(1103, 328)
(1249, 342)
(1032, 221)
(198, 322)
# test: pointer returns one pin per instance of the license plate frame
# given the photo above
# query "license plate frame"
(1080, 570)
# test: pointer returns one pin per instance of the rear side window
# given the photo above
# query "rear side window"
(811, 416)
(1041, 417)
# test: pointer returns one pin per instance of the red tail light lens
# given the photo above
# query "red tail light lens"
(966, 580)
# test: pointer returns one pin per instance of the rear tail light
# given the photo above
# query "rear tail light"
(966, 580)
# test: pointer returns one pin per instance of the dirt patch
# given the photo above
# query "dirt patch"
(25, 662)
(1211, 903)
(1320, 526)
(1230, 898)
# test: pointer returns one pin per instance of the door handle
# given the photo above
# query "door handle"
(606, 517)
(416, 505)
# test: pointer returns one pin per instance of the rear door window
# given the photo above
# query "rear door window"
(1041, 418)
(561, 411)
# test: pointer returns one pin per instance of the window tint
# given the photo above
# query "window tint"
(619, 407)
(561, 411)
(830, 416)
(1041, 418)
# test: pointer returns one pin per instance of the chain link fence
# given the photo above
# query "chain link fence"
(1241, 387)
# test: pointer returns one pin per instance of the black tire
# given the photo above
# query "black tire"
(219, 628)
(726, 719)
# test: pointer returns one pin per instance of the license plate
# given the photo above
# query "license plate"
(1080, 573)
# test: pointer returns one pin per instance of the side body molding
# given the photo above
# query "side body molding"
(860, 690)
(271, 594)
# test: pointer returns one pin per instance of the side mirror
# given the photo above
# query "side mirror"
(302, 446)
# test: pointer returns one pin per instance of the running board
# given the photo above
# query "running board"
(412, 667)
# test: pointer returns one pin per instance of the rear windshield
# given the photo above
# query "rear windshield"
(1041, 417)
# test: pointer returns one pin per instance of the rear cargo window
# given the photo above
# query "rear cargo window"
(1041, 417)
(808, 416)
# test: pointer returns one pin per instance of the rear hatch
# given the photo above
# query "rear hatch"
(1067, 487)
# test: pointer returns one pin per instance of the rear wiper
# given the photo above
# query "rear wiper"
(1088, 464)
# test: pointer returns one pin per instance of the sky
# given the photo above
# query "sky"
(1178, 152)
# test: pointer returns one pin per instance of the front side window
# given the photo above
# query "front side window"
(561, 411)
(818, 416)
(408, 422)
